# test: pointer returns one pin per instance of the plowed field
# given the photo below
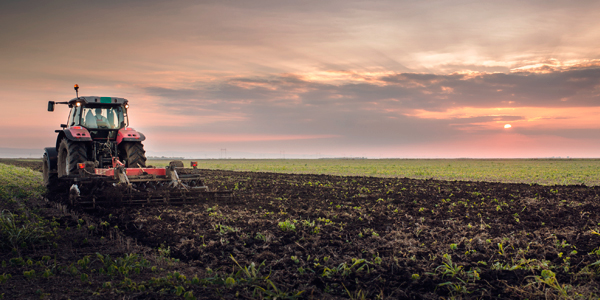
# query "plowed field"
(330, 237)
(354, 236)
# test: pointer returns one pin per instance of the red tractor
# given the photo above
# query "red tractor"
(103, 160)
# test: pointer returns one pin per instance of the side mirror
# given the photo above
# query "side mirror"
(50, 105)
(63, 125)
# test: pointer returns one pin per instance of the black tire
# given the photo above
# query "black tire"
(176, 164)
(134, 154)
(50, 178)
(69, 155)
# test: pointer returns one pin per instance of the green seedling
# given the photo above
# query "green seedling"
(448, 268)
(287, 225)
(549, 278)
(251, 272)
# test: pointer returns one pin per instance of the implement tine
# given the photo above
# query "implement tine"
(122, 175)
(167, 197)
(175, 181)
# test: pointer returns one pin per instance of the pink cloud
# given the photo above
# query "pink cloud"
(238, 138)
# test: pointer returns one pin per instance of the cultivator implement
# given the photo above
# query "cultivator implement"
(120, 186)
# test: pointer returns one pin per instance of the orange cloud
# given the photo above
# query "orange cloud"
(531, 117)
(554, 65)
(341, 77)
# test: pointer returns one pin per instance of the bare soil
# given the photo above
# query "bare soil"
(393, 238)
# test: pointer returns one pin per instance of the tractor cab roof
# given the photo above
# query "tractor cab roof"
(95, 100)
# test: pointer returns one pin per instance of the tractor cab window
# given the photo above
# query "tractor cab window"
(103, 117)
(74, 116)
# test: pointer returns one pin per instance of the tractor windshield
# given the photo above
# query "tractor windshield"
(103, 117)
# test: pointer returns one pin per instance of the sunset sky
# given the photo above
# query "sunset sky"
(308, 79)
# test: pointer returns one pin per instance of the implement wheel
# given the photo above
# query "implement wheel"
(134, 155)
(69, 155)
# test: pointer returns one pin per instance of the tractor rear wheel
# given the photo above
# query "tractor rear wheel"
(134, 154)
(50, 178)
(69, 155)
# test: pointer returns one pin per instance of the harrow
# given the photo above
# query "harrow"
(120, 186)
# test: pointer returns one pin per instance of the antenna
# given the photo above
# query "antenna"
(77, 90)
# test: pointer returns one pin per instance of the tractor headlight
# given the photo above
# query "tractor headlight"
(78, 104)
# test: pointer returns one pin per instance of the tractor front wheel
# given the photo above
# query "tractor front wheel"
(50, 178)
(69, 155)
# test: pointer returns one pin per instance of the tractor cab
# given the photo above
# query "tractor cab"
(101, 116)
(98, 117)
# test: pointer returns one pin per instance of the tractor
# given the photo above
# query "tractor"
(101, 160)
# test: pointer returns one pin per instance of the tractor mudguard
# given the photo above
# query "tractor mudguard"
(129, 135)
(77, 134)
(52, 156)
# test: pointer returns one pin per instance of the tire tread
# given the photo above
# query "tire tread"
(136, 155)
(76, 153)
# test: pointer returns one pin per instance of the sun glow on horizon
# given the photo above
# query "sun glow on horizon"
(507, 126)
(525, 117)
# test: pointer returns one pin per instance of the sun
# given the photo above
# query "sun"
(507, 126)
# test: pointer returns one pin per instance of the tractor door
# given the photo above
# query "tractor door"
(74, 116)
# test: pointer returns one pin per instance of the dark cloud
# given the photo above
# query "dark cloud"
(571, 88)
(377, 113)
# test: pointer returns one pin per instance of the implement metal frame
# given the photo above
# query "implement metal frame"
(120, 186)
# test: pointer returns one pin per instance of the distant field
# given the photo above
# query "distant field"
(542, 171)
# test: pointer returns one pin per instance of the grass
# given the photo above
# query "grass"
(540, 171)
(19, 183)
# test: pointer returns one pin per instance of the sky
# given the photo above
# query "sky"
(311, 79)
